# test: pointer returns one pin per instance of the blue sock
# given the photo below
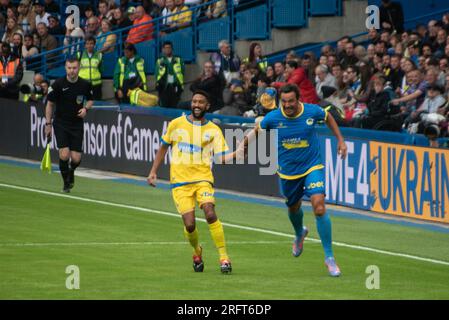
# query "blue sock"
(297, 221)
(324, 227)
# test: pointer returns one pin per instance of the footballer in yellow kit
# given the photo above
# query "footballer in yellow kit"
(195, 142)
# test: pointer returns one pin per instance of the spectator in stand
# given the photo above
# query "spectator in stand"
(440, 43)
(297, 75)
(17, 44)
(90, 65)
(88, 13)
(323, 78)
(256, 56)
(377, 106)
(54, 27)
(426, 50)
(348, 56)
(120, 21)
(106, 40)
(391, 16)
(396, 74)
(29, 50)
(103, 11)
(216, 10)
(129, 74)
(93, 27)
(210, 82)
(4, 4)
(279, 69)
(169, 76)
(51, 6)
(226, 63)
(131, 12)
(11, 29)
(27, 17)
(41, 14)
(413, 51)
(373, 36)
(46, 42)
(309, 63)
(12, 12)
(141, 33)
(11, 73)
(182, 17)
(270, 74)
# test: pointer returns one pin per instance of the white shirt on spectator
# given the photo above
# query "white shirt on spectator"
(329, 81)
(192, 2)
(43, 19)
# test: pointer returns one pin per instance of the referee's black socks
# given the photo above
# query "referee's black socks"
(74, 165)
(64, 168)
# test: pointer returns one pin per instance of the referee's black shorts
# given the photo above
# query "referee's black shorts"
(69, 135)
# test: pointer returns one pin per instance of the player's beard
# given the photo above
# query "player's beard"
(200, 116)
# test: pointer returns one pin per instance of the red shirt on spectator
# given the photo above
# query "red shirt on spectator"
(306, 88)
(141, 33)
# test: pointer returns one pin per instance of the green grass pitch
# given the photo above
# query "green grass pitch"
(125, 253)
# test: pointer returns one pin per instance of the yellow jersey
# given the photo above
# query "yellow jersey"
(193, 147)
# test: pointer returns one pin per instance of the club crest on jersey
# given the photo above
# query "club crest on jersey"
(281, 125)
(79, 99)
(309, 121)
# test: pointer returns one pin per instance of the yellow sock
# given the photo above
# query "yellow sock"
(193, 239)
(216, 231)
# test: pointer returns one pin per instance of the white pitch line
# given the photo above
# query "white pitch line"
(171, 214)
(148, 243)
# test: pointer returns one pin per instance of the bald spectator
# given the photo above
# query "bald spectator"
(140, 32)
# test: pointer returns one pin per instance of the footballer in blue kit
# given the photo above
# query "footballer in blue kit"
(300, 167)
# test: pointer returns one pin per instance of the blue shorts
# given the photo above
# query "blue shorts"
(294, 190)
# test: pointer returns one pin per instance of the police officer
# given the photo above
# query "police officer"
(72, 97)
(169, 77)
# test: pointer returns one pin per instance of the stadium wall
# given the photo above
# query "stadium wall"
(384, 177)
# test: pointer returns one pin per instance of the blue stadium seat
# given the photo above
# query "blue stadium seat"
(212, 32)
(252, 23)
(147, 50)
(108, 65)
(324, 7)
(289, 13)
(183, 43)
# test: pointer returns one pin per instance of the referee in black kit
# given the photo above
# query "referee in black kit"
(73, 97)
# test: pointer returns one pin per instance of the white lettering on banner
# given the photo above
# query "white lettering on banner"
(113, 141)
(362, 175)
(349, 174)
(334, 175)
(340, 180)
(38, 137)
(128, 139)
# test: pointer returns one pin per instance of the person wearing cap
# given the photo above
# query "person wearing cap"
(54, 27)
(11, 73)
(170, 71)
(196, 143)
(51, 6)
(143, 28)
(433, 101)
(41, 14)
(129, 73)
(131, 12)
(27, 17)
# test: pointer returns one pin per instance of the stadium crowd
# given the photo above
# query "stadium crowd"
(395, 79)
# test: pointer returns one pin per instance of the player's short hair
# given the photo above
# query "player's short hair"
(288, 88)
(203, 93)
(72, 60)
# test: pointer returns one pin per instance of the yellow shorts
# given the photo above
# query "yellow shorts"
(185, 196)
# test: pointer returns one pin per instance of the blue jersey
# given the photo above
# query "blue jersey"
(298, 144)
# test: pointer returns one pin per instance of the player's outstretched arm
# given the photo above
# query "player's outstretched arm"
(160, 155)
(332, 124)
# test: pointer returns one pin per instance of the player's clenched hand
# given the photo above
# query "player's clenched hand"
(342, 149)
(152, 179)
(82, 112)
